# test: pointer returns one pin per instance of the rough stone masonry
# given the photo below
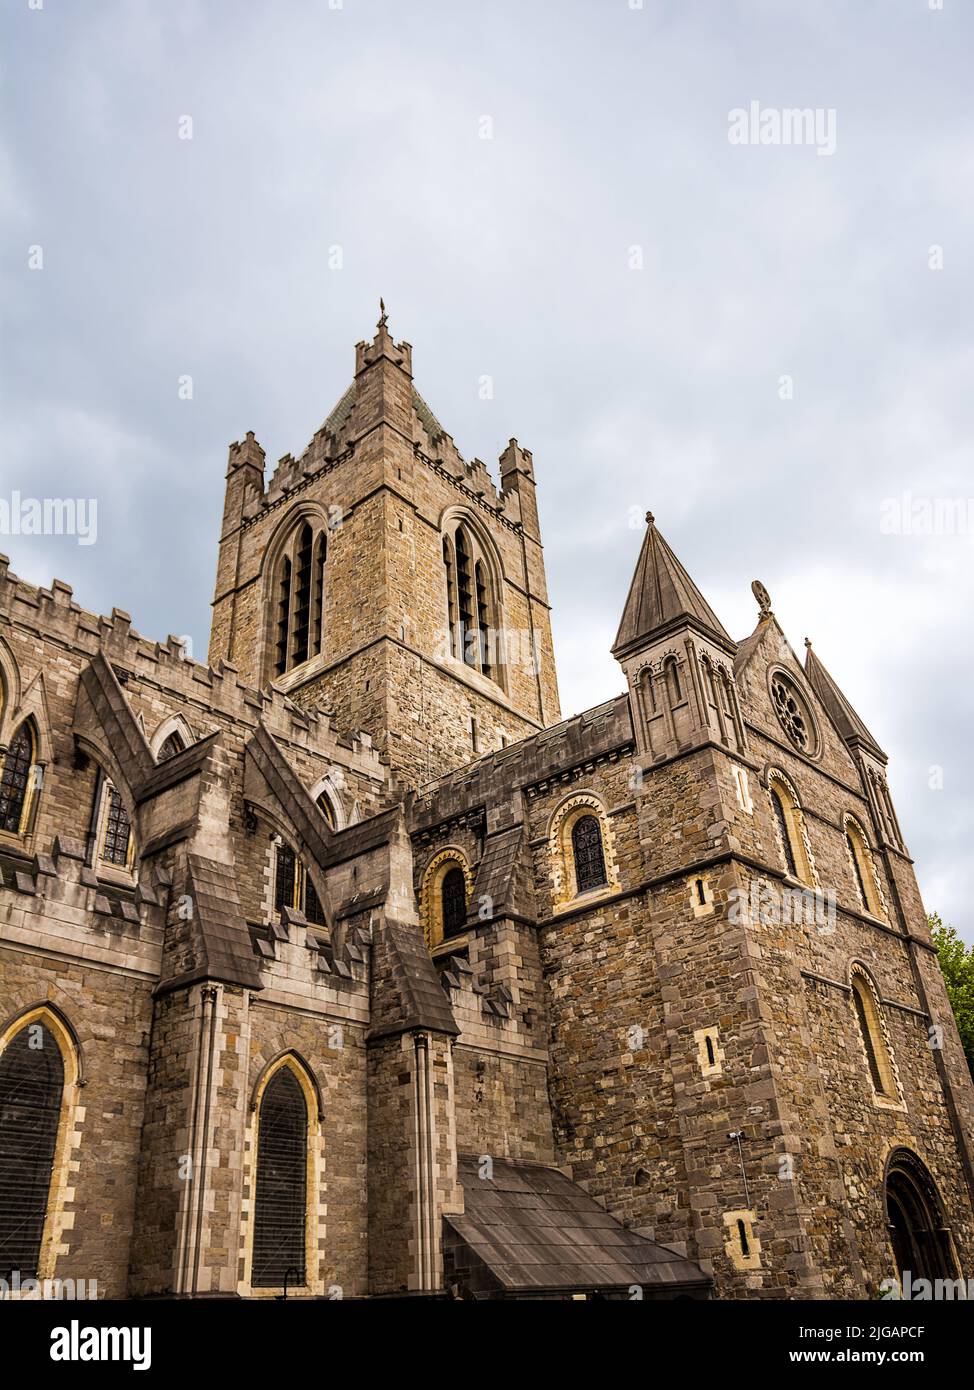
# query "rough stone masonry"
(344, 964)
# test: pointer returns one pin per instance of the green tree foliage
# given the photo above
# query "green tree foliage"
(957, 963)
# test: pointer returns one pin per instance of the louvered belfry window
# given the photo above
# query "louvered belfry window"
(280, 1209)
(31, 1087)
(454, 892)
(589, 856)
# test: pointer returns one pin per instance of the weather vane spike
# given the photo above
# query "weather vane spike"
(382, 313)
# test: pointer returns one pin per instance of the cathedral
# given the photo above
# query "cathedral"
(345, 966)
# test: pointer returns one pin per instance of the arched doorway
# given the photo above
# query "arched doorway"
(915, 1219)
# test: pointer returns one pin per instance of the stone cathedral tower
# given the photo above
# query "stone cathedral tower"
(373, 574)
(343, 966)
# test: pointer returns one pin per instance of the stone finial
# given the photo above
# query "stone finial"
(650, 519)
(763, 598)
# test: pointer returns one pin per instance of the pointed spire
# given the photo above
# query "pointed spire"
(845, 718)
(662, 596)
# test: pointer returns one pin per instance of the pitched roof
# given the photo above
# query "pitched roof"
(845, 718)
(662, 596)
(528, 1228)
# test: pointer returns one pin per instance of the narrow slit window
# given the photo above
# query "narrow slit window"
(778, 806)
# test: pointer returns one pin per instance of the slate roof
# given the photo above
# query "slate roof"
(222, 934)
(535, 1230)
(663, 596)
(498, 876)
(406, 991)
(844, 717)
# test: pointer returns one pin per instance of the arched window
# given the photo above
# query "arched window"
(293, 886)
(916, 1221)
(790, 826)
(297, 598)
(31, 1090)
(114, 843)
(862, 867)
(672, 674)
(170, 747)
(444, 894)
(473, 615)
(871, 1031)
(327, 809)
(15, 780)
(281, 1188)
(778, 806)
(454, 901)
(581, 851)
(588, 854)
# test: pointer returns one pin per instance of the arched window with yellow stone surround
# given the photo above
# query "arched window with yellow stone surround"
(581, 851)
(790, 826)
(283, 1237)
(444, 896)
(38, 1092)
(863, 869)
(873, 1035)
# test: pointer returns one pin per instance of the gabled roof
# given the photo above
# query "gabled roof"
(529, 1229)
(662, 596)
(843, 716)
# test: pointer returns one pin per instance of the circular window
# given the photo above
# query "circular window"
(793, 713)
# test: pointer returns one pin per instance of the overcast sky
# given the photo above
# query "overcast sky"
(517, 257)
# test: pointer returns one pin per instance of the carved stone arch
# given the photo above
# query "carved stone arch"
(9, 692)
(33, 705)
(63, 1031)
(863, 865)
(316, 515)
(174, 724)
(291, 1057)
(916, 1220)
(878, 1056)
(109, 765)
(571, 809)
(325, 786)
(780, 787)
(451, 519)
(431, 888)
(67, 1151)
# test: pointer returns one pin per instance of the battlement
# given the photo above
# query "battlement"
(53, 615)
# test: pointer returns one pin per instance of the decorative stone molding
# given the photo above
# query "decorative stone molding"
(564, 889)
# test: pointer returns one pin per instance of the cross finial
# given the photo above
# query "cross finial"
(762, 596)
